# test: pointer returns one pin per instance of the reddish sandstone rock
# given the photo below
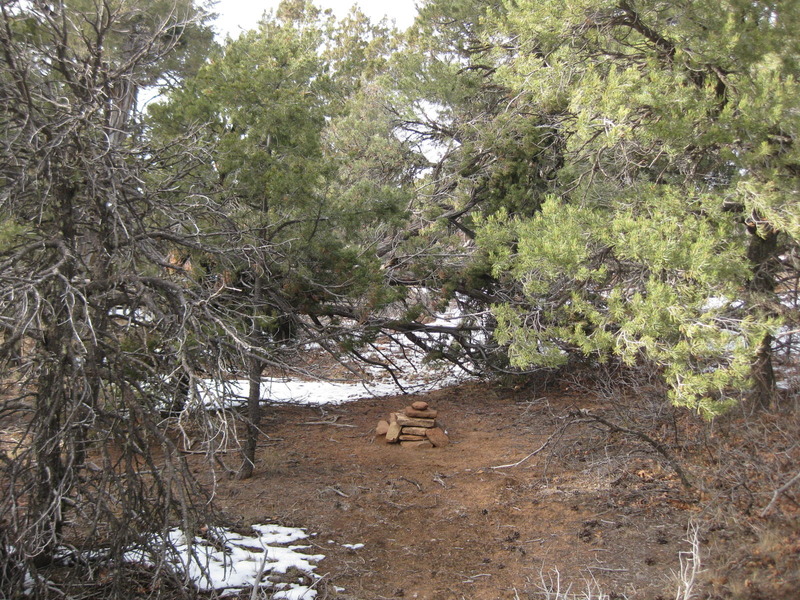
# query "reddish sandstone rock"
(415, 431)
(382, 427)
(393, 433)
(419, 405)
(406, 421)
(422, 414)
(418, 444)
(437, 437)
(404, 437)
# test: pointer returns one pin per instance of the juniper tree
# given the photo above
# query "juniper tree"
(664, 230)
(259, 109)
(100, 327)
(440, 139)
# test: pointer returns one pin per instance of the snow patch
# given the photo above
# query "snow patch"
(353, 546)
(412, 373)
(228, 562)
(226, 394)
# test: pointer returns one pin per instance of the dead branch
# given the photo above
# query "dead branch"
(657, 446)
(558, 433)
(332, 422)
(785, 487)
(337, 491)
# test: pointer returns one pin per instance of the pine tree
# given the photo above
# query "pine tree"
(260, 109)
(97, 323)
(664, 230)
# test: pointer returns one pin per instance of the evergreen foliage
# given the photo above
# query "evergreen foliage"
(678, 192)
(612, 179)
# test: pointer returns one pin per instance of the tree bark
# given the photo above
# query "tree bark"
(51, 484)
(762, 253)
(255, 368)
(253, 419)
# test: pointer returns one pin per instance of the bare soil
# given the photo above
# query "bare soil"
(592, 510)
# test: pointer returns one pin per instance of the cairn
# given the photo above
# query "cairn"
(414, 427)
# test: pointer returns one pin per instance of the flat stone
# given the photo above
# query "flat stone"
(419, 444)
(393, 417)
(393, 433)
(422, 414)
(437, 437)
(382, 427)
(419, 405)
(423, 431)
(414, 422)
(404, 437)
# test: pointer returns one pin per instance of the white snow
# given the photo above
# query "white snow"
(228, 562)
(225, 394)
(216, 394)
(413, 374)
(715, 303)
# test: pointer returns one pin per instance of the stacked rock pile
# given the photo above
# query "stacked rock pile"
(415, 427)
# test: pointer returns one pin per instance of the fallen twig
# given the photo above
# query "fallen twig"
(331, 422)
(439, 479)
(607, 569)
(658, 446)
(778, 493)
(522, 460)
(411, 481)
(552, 436)
(338, 491)
(413, 506)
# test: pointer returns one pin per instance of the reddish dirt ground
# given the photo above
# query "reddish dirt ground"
(445, 523)
(531, 499)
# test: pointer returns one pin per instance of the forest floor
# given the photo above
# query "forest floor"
(594, 510)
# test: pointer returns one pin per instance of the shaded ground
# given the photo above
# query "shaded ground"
(444, 523)
(533, 496)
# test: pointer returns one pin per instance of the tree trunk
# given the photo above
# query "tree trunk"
(53, 419)
(764, 374)
(253, 419)
(255, 368)
(762, 253)
(51, 475)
